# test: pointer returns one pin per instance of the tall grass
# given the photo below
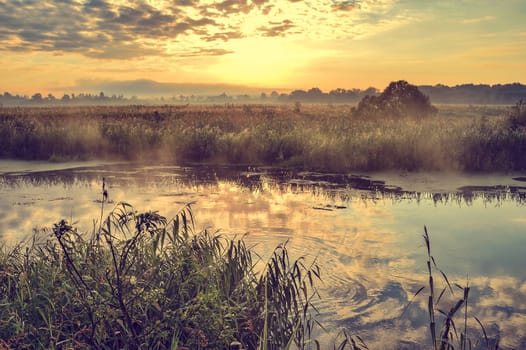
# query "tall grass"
(449, 311)
(314, 137)
(141, 281)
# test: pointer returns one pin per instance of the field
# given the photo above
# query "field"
(310, 136)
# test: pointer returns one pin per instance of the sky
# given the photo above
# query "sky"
(66, 46)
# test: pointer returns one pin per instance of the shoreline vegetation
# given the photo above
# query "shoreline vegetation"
(142, 281)
(396, 130)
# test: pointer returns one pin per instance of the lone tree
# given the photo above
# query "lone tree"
(399, 99)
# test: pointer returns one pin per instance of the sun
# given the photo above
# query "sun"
(263, 62)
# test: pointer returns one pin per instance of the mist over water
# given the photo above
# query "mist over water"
(365, 231)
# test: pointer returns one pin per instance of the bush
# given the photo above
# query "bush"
(399, 99)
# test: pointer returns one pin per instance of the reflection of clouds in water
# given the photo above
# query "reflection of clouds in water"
(501, 302)
(370, 251)
(498, 302)
(381, 323)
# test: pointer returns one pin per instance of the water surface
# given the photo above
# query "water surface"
(365, 230)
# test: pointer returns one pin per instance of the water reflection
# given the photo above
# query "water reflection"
(364, 231)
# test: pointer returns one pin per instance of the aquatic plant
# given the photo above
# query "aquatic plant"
(451, 335)
(143, 281)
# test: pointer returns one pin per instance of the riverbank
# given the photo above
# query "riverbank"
(313, 137)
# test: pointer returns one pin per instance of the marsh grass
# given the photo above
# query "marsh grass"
(517, 117)
(450, 312)
(143, 281)
(318, 137)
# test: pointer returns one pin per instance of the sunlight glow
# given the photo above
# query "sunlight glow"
(263, 62)
(263, 43)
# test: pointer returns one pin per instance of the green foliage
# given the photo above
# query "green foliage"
(517, 116)
(321, 137)
(198, 143)
(142, 281)
(399, 99)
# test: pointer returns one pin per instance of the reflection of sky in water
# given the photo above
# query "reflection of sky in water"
(369, 244)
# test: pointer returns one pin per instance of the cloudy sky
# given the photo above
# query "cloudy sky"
(67, 45)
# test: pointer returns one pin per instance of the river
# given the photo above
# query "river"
(365, 230)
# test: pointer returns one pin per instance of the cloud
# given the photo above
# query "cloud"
(266, 10)
(94, 28)
(224, 36)
(128, 29)
(277, 28)
(260, 3)
(186, 2)
(478, 19)
(206, 52)
(233, 6)
(345, 5)
(123, 51)
(144, 87)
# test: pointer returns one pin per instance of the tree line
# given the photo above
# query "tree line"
(9, 99)
(442, 94)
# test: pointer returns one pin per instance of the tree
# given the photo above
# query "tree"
(298, 95)
(399, 99)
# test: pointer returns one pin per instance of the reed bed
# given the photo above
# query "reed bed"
(141, 281)
(316, 137)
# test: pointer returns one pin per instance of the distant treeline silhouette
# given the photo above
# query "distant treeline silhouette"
(9, 99)
(459, 94)
(476, 94)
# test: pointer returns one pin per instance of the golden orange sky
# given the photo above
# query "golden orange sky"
(75, 45)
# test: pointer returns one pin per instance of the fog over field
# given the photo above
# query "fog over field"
(152, 92)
